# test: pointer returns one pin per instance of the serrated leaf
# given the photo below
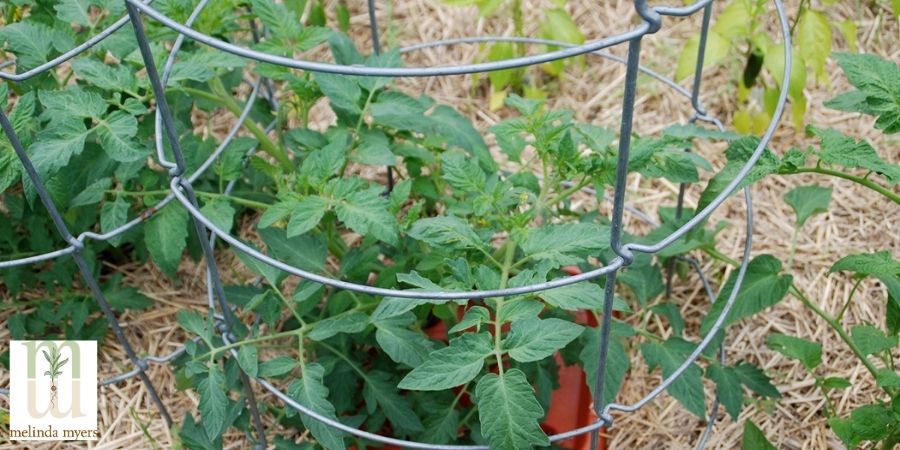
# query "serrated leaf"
(92, 194)
(670, 311)
(166, 237)
(55, 146)
(401, 344)
(509, 412)
(688, 388)
(220, 212)
(342, 91)
(808, 201)
(738, 153)
(213, 402)
(450, 366)
(617, 363)
(374, 149)
(838, 148)
(193, 322)
(879, 265)
(368, 213)
(754, 439)
(814, 41)
(105, 76)
(878, 89)
(584, 295)
(116, 133)
(248, 360)
(808, 353)
(474, 317)
(871, 340)
(446, 231)
(763, 287)
(380, 391)
(835, 383)
(312, 393)
(277, 18)
(305, 252)
(756, 380)
(62, 105)
(462, 172)
(534, 339)
(728, 389)
(277, 366)
(645, 281)
(305, 215)
(113, 215)
(29, 41)
(74, 11)
(352, 322)
(564, 244)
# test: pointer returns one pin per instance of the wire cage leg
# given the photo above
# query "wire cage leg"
(177, 182)
(78, 257)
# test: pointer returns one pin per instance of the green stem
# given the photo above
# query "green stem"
(216, 351)
(504, 279)
(221, 97)
(836, 327)
(289, 306)
(858, 180)
(231, 198)
(568, 192)
(794, 236)
(840, 315)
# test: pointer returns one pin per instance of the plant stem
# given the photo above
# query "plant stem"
(214, 352)
(568, 192)
(858, 180)
(231, 198)
(794, 236)
(221, 97)
(504, 279)
(849, 300)
(837, 328)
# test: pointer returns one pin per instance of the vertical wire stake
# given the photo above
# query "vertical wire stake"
(376, 48)
(634, 50)
(82, 264)
(162, 106)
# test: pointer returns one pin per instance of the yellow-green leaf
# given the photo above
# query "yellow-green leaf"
(715, 52)
(814, 41)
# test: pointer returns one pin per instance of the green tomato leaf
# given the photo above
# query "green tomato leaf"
(92, 194)
(474, 317)
(305, 215)
(116, 133)
(380, 392)
(166, 237)
(534, 339)
(728, 389)
(871, 340)
(756, 380)
(367, 212)
(113, 215)
(563, 244)
(276, 367)
(838, 148)
(105, 76)
(213, 402)
(248, 360)
(305, 252)
(808, 353)
(401, 344)
(877, 93)
(584, 295)
(54, 146)
(509, 412)
(617, 363)
(754, 439)
(220, 212)
(763, 287)
(312, 393)
(447, 232)
(450, 366)
(374, 149)
(462, 172)
(688, 388)
(351, 322)
(879, 265)
(808, 201)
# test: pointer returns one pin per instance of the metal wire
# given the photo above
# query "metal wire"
(181, 189)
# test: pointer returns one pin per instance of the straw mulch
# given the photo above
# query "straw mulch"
(858, 221)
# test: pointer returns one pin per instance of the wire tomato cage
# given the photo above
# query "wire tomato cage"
(182, 194)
